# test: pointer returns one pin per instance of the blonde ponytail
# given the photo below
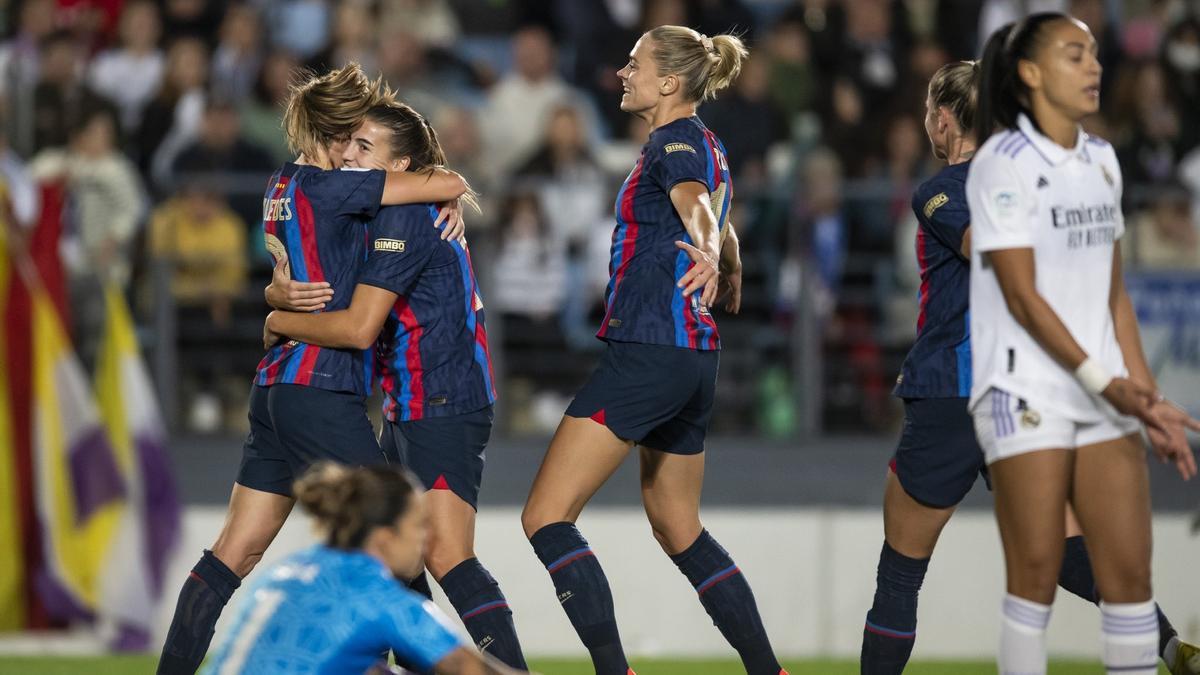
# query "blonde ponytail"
(705, 64)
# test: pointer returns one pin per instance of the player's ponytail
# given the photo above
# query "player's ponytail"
(955, 86)
(1003, 95)
(348, 503)
(413, 136)
(322, 109)
(705, 64)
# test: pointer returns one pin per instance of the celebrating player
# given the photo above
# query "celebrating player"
(420, 291)
(938, 457)
(336, 607)
(1059, 380)
(654, 386)
(307, 403)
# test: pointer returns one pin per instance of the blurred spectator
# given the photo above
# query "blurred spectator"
(996, 13)
(818, 236)
(1164, 235)
(416, 75)
(61, 95)
(19, 72)
(1181, 61)
(713, 17)
(793, 84)
(518, 105)
(172, 119)
(1142, 34)
(19, 186)
(956, 25)
(197, 19)
(746, 122)
(262, 113)
(205, 242)
(301, 27)
(531, 265)
(569, 182)
(433, 20)
(238, 58)
(906, 163)
(220, 150)
(354, 39)
(598, 37)
(131, 74)
(458, 134)
(1151, 149)
(105, 205)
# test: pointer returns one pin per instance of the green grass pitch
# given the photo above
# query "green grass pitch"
(143, 665)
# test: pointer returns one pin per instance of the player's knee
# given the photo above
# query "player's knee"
(1035, 576)
(440, 558)
(1131, 583)
(240, 559)
(675, 537)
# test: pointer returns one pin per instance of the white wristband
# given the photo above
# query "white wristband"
(1092, 376)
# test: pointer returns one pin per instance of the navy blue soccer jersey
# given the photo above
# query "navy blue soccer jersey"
(432, 353)
(324, 611)
(318, 218)
(939, 363)
(643, 303)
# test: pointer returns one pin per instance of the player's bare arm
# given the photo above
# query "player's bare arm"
(1017, 278)
(692, 203)
(353, 328)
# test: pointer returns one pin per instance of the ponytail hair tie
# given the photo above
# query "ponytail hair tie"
(707, 42)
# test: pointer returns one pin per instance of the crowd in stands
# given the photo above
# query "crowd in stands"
(148, 128)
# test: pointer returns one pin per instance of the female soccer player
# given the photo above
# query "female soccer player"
(307, 403)
(654, 386)
(336, 607)
(1059, 380)
(420, 291)
(938, 457)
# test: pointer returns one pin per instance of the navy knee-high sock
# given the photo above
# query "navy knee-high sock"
(1076, 576)
(583, 593)
(726, 596)
(204, 594)
(891, 627)
(484, 611)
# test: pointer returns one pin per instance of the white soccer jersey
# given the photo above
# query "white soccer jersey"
(1026, 191)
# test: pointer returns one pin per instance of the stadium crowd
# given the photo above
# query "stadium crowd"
(145, 130)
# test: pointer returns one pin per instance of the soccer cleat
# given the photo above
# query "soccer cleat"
(1187, 659)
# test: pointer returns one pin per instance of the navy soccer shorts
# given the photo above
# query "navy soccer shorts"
(445, 453)
(293, 427)
(658, 396)
(938, 458)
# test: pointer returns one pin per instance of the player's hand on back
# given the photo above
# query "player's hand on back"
(701, 276)
(451, 214)
(270, 337)
(295, 296)
(1172, 444)
(729, 286)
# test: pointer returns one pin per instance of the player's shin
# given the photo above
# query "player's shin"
(204, 595)
(726, 596)
(484, 611)
(891, 626)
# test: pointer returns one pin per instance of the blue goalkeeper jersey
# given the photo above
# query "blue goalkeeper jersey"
(325, 610)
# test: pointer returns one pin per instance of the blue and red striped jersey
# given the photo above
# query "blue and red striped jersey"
(643, 303)
(432, 354)
(318, 218)
(939, 363)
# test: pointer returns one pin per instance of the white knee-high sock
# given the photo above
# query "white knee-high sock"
(1023, 637)
(1130, 637)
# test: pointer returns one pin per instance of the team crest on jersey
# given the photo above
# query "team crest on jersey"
(390, 245)
(1107, 176)
(936, 202)
(678, 147)
(1030, 419)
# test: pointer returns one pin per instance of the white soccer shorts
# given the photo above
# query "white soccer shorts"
(1006, 425)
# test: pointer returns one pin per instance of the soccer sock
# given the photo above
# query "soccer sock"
(477, 598)
(1130, 637)
(583, 593)
(891, 627)
(1076, 577)
(1076, 573)
(727, 598)
(204, 594)
(420, 585)
(1023, 637)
